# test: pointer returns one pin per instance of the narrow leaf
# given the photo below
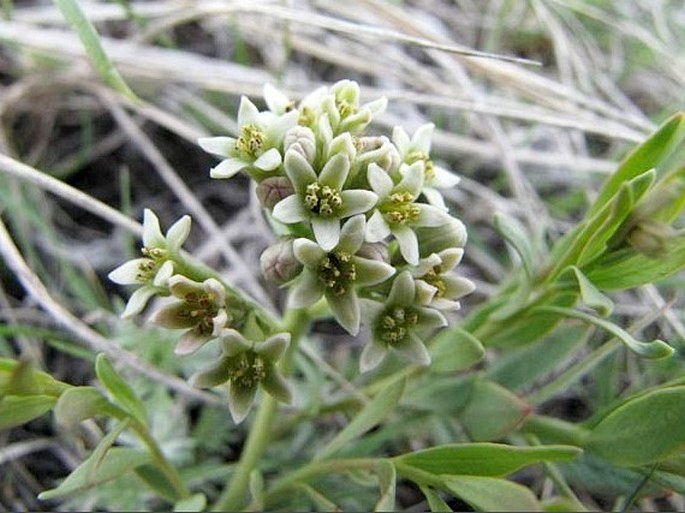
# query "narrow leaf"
(373, 413)
(492, 494)
(492, 412)
(435, 502)
(121, 392)
(73, 13)
(81, 403)
(656, 349)
(322, 502)
(590, 295)
(484, 459)
(455, 349)
(16, 410)
(387, 477)
(195, 502)
(515, 234)
(644, 430)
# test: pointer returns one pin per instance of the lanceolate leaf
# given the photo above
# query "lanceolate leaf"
(120, 391)
(367, 418)
(435, 502)
(455, 349)
(512, 231)
(385, 471)
(16, 410)
(590, 295)
(646, 429)
(492, 494)
(81, 403)
(484, 459)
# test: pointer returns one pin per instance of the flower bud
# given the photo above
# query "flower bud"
(273, 189)
(435, 239)
(650, 238)
(278, 262)
(302, 140)
(375, 251)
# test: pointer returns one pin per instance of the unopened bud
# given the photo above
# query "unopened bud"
(375, 251)
(435, 239)
(302, 140)
(278, 262)
(650, 238)
(273, 189)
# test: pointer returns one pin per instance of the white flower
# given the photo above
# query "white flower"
(154, 269)
(436, 285)
(258, 147)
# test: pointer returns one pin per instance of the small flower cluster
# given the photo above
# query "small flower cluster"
(367, 229)
(205, 310)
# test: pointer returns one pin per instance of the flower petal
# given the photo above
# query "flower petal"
(352, 235)
(377, 228)
(269, 160)
(401, 139)
(356, 201)
(456, 286)
(443, 179)
(276, 386)
(233, 343)
(152, 233)
(409, 244)
(432, 216)
(247, 111)
(214, 376)
(372, 355)
(306, 290)
(276, 130)
(372, 272)
(308, 253)
(425, 293)
(222, 146)
(163, 274)
(127, 273)
(414, 350)
(240, 401)
(137, 301)
(326, 232)
(335, 172)
(289, 210)
(412, 178)
(273, 347)
(380, 181)
(276, 101)
(429, 318)
(177, 234)
(228, 168)
(219, 322)
(450, 258)
(298, 170)
(434, 197)
(190, 342)
(421, 141)
(403, 290)
(180, 286)
(345, 309)
(172, 316)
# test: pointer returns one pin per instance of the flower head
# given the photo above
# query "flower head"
(436, 285)
(321, 199)
(397, 325)
(245, 365)
(397, 211)
(337, 274)
(202, 310)
(258, 146)
(153, 270)
(417, 148)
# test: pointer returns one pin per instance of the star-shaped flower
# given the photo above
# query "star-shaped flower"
(245, 365)
(258, 146)
(436, 285)
(153, 270)
(201, 310)
(321, 199)
(397, 211)
(337, 274)
(418, 149)
(397, 325)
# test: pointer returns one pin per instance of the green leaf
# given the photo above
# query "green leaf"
(492, 412)
(20, 378)
(81, 403)
(643, 430)
(442, 393)
(72, 12)
(520, 367)
(157, 481)
(104, 464)
(370, 415)
(653, 153)
(16, 410)
(484, 459)
(121, 393)
(387, 477)
(491, 494)
(322, 502)
(455, 349)
(515, 234)
(435, 502)
(196, 502)
(590, 295)
(656, 349)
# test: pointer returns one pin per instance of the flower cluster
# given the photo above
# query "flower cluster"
(205, 310)
(366, 227)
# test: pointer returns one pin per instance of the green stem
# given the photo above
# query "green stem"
(162, 463)
(555, 430)
(296, 322)
(419, 476)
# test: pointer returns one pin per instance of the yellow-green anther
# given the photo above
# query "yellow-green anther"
(322, 200)
(416, 156)
(397, 323)
(337, 271)
(345, 108)
(250, 141)
(307, 117)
